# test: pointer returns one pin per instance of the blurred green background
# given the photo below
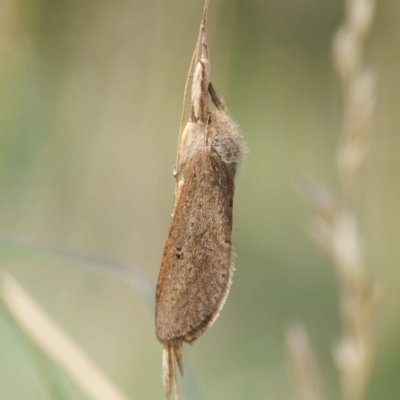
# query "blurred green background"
(90, 103)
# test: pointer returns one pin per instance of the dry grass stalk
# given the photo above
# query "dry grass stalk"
(358, 94)
(55, 342)
(353, 354)
(336, 229)
(304, 363)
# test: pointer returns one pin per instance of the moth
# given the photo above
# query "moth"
(196, 268)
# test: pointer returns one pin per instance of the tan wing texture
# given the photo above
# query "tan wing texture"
(196, 267)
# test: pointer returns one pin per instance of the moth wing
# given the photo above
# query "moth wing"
(196, 267)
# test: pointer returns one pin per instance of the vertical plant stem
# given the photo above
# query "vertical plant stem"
(336, 229)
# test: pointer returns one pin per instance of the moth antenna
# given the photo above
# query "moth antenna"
(200, 39)
(219, 103)
(205, 132)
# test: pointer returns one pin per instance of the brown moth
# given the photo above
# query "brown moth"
(196, 267)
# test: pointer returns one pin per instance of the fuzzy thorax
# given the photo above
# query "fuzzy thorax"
(219, 136)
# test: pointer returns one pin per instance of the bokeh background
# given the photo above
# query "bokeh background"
(90, 103)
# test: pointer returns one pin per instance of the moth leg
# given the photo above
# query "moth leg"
(219, 103)
(204, 50)
(201, 80)
(192, 117)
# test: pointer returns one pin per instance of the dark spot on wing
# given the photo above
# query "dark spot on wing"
(179, 253)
